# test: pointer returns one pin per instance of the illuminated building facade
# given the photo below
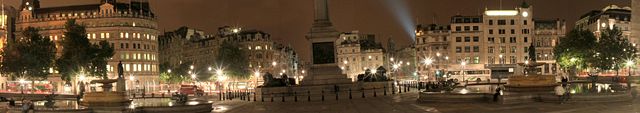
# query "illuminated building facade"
(188, 45)
(358, 52)
(130, 26)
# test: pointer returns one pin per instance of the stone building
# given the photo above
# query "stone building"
(607, 18)
(188, 45)
(358, 52)
(547, 33)
(477, 47)
(130, 26)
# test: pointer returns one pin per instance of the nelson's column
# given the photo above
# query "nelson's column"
(324, 70)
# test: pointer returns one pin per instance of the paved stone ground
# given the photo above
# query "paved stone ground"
(406, 103)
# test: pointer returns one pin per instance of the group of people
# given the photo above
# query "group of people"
(27, 105)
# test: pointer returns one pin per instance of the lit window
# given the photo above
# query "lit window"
(138, 35)
(126, 67)
(258, 48)
(93, 36)
(107, 35)
(101, 35)
(126, 35)
(88, 36)
(121, 35)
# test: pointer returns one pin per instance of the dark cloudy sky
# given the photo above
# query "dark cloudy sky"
(289, 20)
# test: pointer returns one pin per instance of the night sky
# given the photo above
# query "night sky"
(289, 20)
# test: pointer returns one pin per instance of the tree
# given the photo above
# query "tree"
(575, 50)
(30, 56)
(232, 57)
(613, 50)
(177, 75)
(80, 56)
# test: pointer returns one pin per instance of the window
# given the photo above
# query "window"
(490, 22)
(476, 28)
(490, 50)
(526, 39)
(458, 49)
(458, 28)
(512, 39)
(503, 40)
(525, 31)
(458, 39)
(513, 31)
(491, 40)
(444, 38)
(503, 49)
(467, 39)
(467, 28)
(476, 60)
(513, 22)
(501, 31)
(102, 35)
(525, 22)
(476, 49)
(107, 36)
(491, 60)
(513, 59)
(513, 49)
(502, 22)
(467, 49)
(476, 39)
(526, 49)
(490, 31)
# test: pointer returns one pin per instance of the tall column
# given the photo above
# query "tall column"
(635, 21)
(321, 10)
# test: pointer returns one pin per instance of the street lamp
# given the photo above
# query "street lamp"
(427, 62)
(463, 63)
(191, 67)
(629, 65)
(169, 70)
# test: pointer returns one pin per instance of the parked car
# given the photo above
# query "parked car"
(191, 89)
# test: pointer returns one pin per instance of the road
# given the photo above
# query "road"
(406, 103)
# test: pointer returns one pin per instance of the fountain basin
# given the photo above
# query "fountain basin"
(105, 99)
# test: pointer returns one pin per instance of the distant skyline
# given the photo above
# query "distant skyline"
(289, 20)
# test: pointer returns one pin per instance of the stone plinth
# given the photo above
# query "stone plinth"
(325, 74)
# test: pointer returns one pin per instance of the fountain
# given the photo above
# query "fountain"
(531, 80)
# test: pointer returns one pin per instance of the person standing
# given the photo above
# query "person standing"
(560, 92)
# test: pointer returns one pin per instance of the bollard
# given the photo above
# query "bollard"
(261, 97)
(409, 88)
(308, 95)
(374, 92)
(282, 98)
(393, 89)
(254, 96)
(271, 97)
(162, 95)
(362, 90)
(322, 95)
(152, 95)
(385, 90)
(400, 89)
(295, 97)
(350, 97)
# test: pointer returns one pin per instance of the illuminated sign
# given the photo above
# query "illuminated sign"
(501, 12)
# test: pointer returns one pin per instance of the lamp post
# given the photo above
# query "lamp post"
(629, 64)
(427, 62)
(463, 63)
